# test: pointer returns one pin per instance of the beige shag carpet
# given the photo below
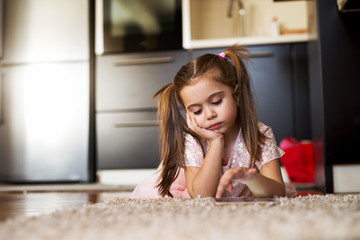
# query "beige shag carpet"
(310, 217)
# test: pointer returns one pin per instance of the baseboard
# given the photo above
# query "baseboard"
(346, 178)
(124, 176)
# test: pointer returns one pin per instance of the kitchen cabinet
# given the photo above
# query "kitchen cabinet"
(206, 23)
(280, 84)
(126, 120)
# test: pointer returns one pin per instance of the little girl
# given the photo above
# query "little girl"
(220, 149)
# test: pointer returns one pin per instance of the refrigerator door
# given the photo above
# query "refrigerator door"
(1, 27)
(43, 31)
(44, 134)
(45, 130)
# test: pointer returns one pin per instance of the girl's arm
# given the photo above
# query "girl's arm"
(204, 180)
(267, 183)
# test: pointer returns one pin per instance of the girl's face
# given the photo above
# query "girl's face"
(211, 103)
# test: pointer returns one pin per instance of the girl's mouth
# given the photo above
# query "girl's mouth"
(215, 126)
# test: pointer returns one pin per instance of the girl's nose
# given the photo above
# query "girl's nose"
(210, 114)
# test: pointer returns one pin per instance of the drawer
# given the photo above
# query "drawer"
(127, 140)
(129, 81)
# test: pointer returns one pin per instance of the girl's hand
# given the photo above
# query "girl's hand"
(203, 132)
(234, 176)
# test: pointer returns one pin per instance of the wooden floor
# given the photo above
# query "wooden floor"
(36, 203)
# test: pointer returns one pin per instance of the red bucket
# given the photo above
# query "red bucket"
(298, 160)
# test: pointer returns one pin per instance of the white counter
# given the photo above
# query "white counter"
(247, 41)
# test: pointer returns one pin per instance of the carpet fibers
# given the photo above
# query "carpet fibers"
(310, 217)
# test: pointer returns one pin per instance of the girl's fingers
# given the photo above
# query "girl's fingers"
(195, 125)
(230, 187)
(249, 174)
(220, 190)
(189, 122)
(223, 183)
(192, 124)
(226, 182)
(245, 176)
(232, 177)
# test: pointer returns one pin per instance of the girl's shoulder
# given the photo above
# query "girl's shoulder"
(193, 152)
(267, 131)
(269, 149)
(190, 140)
(264, 128)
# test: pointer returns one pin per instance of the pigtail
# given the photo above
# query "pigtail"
(248, 117)
(172, 128)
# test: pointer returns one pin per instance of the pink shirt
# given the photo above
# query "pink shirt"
(239, 157)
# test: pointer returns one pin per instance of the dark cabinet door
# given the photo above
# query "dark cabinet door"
(271, 76)
(126, 121)
(127, 140)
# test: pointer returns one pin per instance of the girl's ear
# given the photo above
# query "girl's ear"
(236, 88)
(236, 91)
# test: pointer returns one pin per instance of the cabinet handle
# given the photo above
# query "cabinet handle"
(1, 99)
(137, 61)
(137, 124)
(261, 54)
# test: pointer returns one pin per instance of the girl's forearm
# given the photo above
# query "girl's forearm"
(262, 186)
(207, 179)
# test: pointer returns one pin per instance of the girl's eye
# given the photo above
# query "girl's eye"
(197, 112)
(217, 102)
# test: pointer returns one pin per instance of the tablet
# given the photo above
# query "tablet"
(246, 200)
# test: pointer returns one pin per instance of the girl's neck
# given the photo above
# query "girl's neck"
(231, 136)
(229, 142)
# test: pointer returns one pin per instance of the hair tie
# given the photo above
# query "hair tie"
(222, 55)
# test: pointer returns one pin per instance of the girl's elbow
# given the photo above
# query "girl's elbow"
(201, 194)
(281, 191)
(278, 189)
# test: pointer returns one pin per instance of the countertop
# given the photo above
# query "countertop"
(247, 41)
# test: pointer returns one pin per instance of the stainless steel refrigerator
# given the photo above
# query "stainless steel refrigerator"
(45, 91)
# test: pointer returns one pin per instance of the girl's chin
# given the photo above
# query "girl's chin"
(219, 131)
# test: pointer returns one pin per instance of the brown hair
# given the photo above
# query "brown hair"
(173, 127)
